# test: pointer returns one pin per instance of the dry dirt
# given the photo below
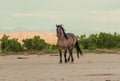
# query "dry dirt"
(90, 67)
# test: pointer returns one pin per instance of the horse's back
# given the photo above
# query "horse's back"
(72, 37)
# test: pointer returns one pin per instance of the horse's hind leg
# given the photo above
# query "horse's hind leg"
(65, 55)
(78, 54)
(72, 59)
(60, 53)
(69, 57)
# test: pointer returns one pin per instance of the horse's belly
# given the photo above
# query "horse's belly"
(61, 46)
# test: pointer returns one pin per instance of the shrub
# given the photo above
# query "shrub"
(10, 45)
(100, 41)
(35, 44)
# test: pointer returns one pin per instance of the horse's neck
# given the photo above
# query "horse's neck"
(62, 38)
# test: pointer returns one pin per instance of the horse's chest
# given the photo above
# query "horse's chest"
(61, 44)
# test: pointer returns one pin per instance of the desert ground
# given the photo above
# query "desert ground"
(90, 67)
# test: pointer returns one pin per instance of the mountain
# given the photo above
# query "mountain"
(48, 37)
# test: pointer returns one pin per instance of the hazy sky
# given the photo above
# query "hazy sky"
(77, 16)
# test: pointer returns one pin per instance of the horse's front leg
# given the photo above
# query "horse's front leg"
(60, 54)
(65, 55)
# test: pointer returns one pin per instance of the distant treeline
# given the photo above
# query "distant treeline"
(100, 41)
(91, 42)
(29, 45)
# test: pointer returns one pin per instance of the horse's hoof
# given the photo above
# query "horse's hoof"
(60, 62)
(65, 61)
(68, 59)
(72, 60)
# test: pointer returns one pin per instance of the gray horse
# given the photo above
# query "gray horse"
(67, 41)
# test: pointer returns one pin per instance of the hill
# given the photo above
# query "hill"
(48, 37)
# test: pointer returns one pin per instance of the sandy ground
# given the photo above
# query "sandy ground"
(90, 67)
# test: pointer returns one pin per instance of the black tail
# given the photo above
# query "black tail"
(78, 49)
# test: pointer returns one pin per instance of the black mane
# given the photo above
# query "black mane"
(65, 35)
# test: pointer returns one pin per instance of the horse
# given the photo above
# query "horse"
(66, 41)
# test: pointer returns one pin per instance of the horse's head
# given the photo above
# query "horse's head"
(59, 31)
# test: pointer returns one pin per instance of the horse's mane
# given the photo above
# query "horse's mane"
(65, 35)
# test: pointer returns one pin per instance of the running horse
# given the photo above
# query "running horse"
(67, 41)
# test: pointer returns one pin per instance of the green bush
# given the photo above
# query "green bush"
(100, 41)
(10, 45)
(35, 44)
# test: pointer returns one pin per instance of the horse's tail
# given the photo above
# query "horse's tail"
(78, 49)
